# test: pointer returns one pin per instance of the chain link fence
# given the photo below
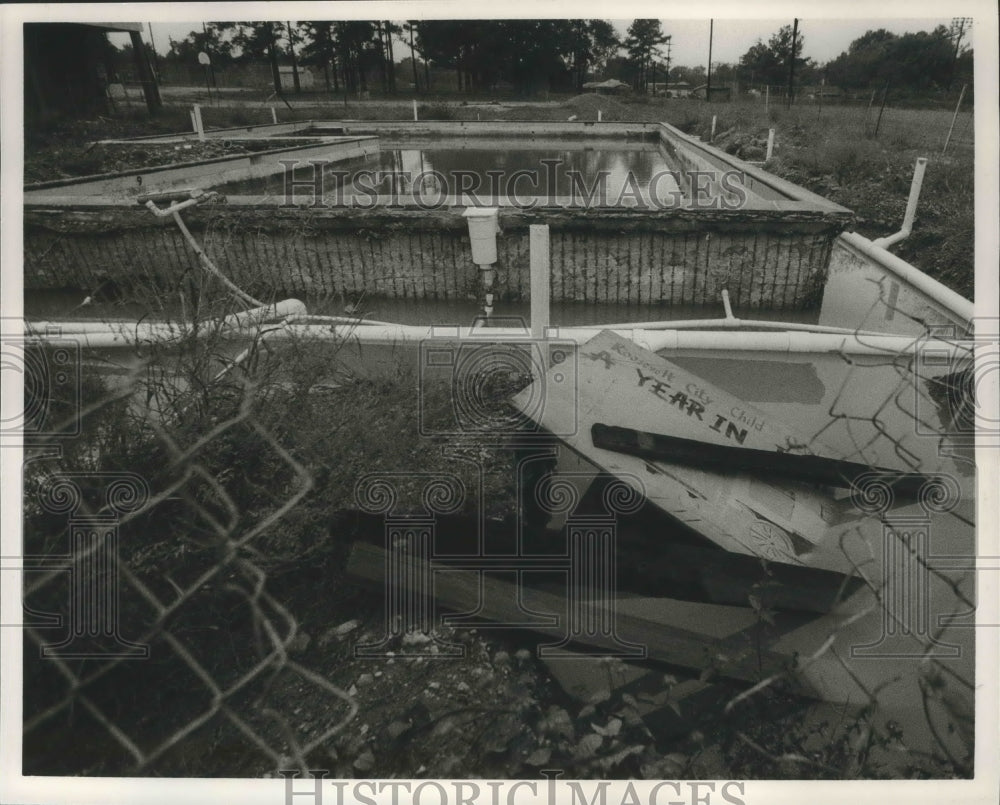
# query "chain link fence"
(175, 646)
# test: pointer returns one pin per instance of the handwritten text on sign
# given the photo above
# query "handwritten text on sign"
(693, 401)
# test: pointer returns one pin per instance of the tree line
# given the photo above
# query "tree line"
(915, 62)
(529, 56)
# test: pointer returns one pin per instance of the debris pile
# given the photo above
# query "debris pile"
(427, 713)
(587, 105)
(742, 144)
(98, 158)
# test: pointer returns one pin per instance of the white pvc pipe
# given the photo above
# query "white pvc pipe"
(310, 318)
(770, 145)
(258, 315)
(733, 324)
(72, 329)
(779, 342)
(150, 330)
(653, 340)
(728, 307)
(911, 207)
(415, 118)
(199, 127)
(243, 322)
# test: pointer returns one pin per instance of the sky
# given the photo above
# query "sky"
(824, 39)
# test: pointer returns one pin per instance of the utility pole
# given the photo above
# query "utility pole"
(152, 45)
(211, 64)
(272, 55)
(666, 64)
(791, 63)
(413, 58)
(881, 109)
(295, 65)
(667, 79)
(958, 27)
(708, 79)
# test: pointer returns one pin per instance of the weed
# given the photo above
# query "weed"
(437, 111)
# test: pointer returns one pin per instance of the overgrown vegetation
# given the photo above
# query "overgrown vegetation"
(836, 153)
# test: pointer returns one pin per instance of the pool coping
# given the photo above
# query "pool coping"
(792, 198)
(39, 190)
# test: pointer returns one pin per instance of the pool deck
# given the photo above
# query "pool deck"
(359, 138)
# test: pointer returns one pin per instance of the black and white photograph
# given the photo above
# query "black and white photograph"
(533, 403)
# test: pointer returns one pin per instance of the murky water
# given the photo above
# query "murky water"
(64, 305)
(607, 172)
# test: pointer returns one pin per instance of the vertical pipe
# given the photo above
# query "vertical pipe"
(770, 145)
(540, 273)
(599, 116)
(911, 206)
(415, 118)
(954, 117)
(274, 115)
(198, 125)
(915, 185)
(726, 304)
(711, 136)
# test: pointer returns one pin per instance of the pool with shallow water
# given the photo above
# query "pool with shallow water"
(598, 172)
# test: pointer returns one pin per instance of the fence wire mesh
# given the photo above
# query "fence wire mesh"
(190, 646)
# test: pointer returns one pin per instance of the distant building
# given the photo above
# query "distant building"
(677, 89)
(718, 93)
(68, 70)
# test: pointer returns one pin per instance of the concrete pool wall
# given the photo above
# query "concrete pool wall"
(771, 252)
